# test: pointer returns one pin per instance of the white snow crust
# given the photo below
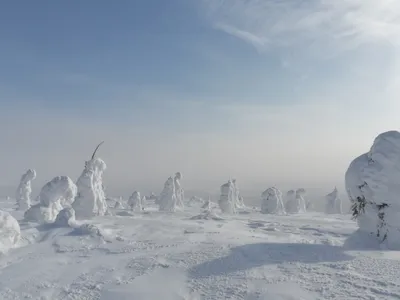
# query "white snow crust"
(91, 199)
(24, 190)
(271, 201)
(373, 185)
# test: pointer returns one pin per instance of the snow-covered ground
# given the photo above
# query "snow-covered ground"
(159, 255)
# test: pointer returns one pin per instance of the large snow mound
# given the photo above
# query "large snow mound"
(10, 232)
(373, 186)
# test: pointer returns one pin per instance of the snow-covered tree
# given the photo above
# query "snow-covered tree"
(135, 202)
(10, 232)
(227, 201)
(55, 195)
(65, 218)
(373, 186)
(24, 190)
(271, 201)
(179, 192)
(238, 199)
(295, 202)
(167, 200)
(91, 200)
(333, 203)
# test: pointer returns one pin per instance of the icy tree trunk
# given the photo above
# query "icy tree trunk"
(24, 190)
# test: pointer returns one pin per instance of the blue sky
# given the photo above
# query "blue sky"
(196, 85)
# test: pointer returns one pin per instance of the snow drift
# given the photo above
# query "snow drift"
(55, 195)
(91, 200)
(271, 201)
(373, 186)
(10, 232)
(24, 190)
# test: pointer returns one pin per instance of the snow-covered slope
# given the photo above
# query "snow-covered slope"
(157, 255)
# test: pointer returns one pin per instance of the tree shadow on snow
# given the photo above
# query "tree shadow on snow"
(251, 256)
(361, 241)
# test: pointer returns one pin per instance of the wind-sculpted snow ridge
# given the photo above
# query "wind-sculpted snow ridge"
(179, 192)
(333, 203)
(24, 190)
(135, 202)
(167, 200)
(10, 232)
(373, 186)
(55, 195)
(227, 201)
(271, 202)
(91, 200)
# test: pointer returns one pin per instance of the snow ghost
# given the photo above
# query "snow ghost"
(55, 195)
(333, 203)
(239, 202)
(227, 199)
(271, 202)
(179, 192)
(10, 232)
(135, 202)
(373, 186)
(295, 202)
(118, 204)
(91, 200)
(167, 200)
(24, 190)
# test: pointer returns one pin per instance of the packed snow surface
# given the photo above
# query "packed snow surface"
(373, 185)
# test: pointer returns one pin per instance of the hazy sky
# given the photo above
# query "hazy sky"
(270, 92)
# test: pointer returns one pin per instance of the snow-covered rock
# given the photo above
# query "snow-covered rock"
(167, 200)
(55, 195)
(373, 186)
(65, 218)
(135, 202)
(333, 203)
(91, 200)
(271, 202)
(179, 192)
(295, 202)
(10, 232)
(24, 190)
(227, 199)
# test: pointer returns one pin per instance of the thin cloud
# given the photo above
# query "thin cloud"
(327, 24)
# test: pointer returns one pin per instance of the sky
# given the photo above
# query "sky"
(270, 92)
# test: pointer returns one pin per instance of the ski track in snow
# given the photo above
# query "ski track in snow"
(168, 256)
